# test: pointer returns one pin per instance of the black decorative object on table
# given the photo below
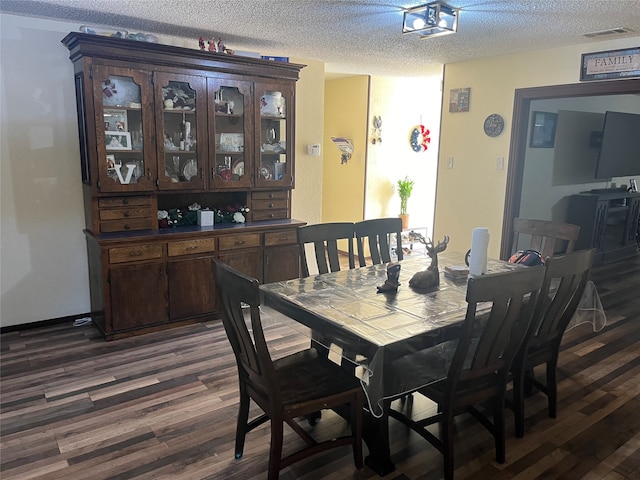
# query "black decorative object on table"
(392, 283)
(431, 276)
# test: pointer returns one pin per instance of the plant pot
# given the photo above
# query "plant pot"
(405, 221)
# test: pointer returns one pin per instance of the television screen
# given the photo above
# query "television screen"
(620, 148)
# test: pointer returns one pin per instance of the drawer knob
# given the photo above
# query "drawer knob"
(271, 205)
(127, 214)
(125, 201)
(192, 247)
(271, 195)
(240, 242)
(126, 226)
(137, 253)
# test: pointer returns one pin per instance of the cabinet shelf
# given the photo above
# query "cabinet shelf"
(121, 150)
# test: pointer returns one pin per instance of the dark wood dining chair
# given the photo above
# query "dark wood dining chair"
(294, 386)
(545, 235)
(324, 237)
(565, 280)
(479, 362)
(378, 232)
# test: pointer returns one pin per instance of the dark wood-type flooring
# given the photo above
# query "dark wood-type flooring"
(163, 406)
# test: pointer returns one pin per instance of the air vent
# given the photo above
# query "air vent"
(606, 33)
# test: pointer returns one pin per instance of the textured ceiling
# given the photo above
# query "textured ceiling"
(353, 36)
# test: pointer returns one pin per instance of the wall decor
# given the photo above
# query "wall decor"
(377, 130)
(543, 130)
(493, 125)
(345, 145)
(611, 64)
(459, 99)
(420, 139)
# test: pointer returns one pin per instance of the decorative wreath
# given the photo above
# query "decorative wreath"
(420, 139)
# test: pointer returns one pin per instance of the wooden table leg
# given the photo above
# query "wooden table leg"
(376, 435)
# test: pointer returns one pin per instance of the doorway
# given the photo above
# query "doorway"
(518, 144)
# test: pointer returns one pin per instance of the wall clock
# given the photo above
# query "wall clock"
(493, 125)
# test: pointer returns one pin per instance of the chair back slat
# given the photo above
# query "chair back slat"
(325, 237)
(250, 348)
(546, 235)
(377, 232)
(489, 341)
(566, 278)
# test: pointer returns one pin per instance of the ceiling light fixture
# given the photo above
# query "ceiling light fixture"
(430, 20)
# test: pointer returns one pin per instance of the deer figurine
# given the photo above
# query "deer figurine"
(431, 276)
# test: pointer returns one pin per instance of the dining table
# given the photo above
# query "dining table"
(370, 331)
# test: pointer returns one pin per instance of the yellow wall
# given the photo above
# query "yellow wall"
(345, 115)
(307, 196)
(472, 194)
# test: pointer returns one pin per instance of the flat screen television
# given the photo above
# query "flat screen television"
(620, 148)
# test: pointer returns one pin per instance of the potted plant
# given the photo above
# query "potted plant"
(405, 186)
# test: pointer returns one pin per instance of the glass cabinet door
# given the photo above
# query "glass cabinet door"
(181, 106)
(275, 135)
(230, 111)
(123, 126)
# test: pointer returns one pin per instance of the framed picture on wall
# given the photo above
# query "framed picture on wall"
(459, 99)
(543, 129)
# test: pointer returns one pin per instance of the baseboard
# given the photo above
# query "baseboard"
(43, 323)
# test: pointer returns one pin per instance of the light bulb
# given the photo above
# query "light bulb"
(418, 23)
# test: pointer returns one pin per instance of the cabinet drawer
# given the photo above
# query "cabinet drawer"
(278, 194)
(229, 242)
(280, 238)
(124, 202)
(135, 253)
(269, 215)
(277, 204)
(126, 224)
(189, 247)
(124, 213)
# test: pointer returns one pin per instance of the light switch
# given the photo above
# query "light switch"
(450, 162)
(500, 163)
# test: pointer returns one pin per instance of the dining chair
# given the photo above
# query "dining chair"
(293, 386)
(324, 237)
(545, 235)
(564, 283)
(378, 231)
(474, 369)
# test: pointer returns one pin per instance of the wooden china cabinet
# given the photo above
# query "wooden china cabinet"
(162, 128)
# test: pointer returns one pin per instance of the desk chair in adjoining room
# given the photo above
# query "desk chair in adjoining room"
(324, 237)
(565, 280)
(294, 386)
(545, 235)
(477, 364)
(378, 231)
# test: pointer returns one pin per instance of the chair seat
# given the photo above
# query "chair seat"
(306, 377)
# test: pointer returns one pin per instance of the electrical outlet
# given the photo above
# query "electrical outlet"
(450, 162)
(500, 163)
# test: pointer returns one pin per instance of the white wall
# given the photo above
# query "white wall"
(403, 104)
(43, 253)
